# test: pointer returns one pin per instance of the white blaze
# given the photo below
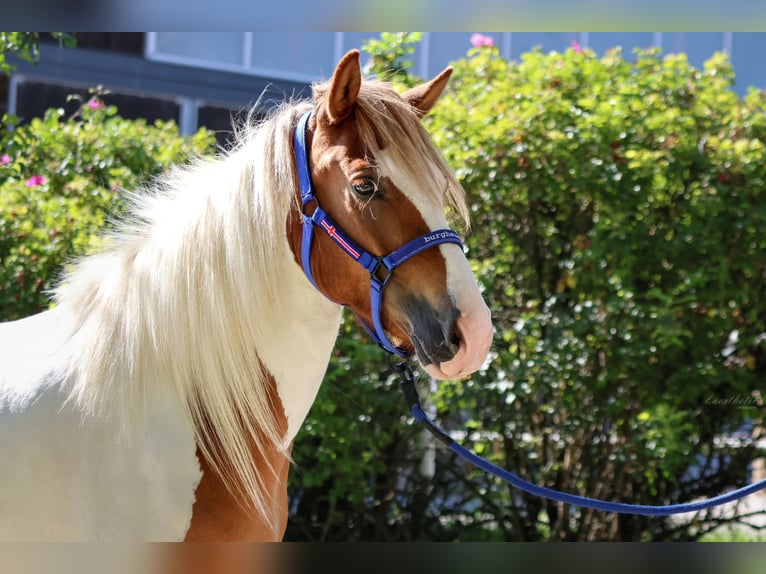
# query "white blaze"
(474, 323)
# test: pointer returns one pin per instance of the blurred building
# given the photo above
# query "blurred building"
(202, 78)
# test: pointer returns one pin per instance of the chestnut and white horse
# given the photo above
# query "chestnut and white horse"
(159, 398)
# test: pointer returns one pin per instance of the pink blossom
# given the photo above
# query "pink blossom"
(95, 103)
(36, 180)
(5, 159)
(576, 46)
(480, 40)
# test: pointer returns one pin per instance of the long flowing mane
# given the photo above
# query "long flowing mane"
(188, 287)
(184, 295)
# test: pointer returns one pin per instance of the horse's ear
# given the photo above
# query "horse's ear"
(423, 97)
(344, 88)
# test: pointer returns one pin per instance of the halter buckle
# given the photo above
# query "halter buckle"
(375, 278)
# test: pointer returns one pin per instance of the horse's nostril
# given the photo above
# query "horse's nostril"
(455, 337)
(434, 333)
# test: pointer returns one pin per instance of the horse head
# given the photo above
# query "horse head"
(376, 173)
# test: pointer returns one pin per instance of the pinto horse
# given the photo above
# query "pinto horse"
(159, 398)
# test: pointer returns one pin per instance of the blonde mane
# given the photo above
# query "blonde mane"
(179, 296)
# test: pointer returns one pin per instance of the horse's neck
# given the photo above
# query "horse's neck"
(197, 290)
(196, 316)
(298, 351)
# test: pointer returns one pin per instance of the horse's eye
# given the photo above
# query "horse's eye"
(365, 188)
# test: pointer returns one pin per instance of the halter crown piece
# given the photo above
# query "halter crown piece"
(380, 268)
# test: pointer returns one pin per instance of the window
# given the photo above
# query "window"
(296, 56)
(309, 55)
(202, 47)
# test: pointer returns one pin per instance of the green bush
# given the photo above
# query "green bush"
(619, 209)
(61, 181)
(618, 213)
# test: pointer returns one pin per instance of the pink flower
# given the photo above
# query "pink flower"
(480, 40)
(95, 103)
(36, 180)
(5, 159)
(576, 46)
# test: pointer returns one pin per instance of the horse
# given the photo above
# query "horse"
(159, 397)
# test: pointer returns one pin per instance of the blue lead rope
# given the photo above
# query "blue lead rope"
(387, 264)
(413, 400)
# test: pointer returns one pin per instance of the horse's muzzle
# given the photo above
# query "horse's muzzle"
(461, 348)
(434, 333)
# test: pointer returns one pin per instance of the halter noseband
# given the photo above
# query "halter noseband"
(376, 266)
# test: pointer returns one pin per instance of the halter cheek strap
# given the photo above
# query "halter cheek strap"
(380, 268)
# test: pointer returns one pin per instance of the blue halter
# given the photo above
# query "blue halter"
(377, 267)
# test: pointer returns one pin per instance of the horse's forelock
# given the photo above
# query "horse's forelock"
(384, 121)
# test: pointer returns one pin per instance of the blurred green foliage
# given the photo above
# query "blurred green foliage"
(618, 234)
(26, 45)
(390, 57)
(61, 180)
